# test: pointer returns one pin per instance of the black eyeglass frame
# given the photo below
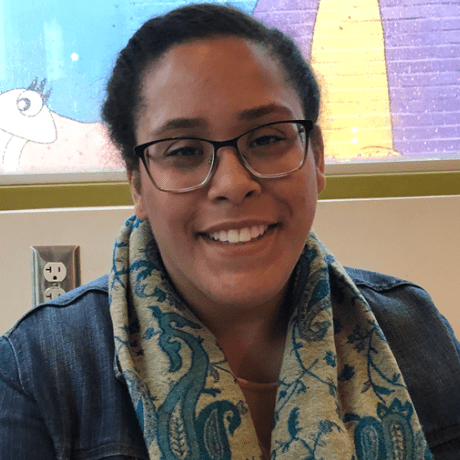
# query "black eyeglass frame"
(139, 150)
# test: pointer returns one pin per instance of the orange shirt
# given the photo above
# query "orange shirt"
(261, 398)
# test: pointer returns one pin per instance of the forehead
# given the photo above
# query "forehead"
(213, 79)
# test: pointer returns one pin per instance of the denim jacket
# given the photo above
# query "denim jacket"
(60, 397)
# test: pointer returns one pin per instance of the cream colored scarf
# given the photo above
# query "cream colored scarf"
(340, 396)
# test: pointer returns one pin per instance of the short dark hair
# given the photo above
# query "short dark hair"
(181, 25)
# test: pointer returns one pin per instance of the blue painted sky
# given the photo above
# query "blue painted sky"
(73, 45)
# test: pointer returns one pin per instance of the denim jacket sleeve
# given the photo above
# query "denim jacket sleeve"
(59, 397)
(427, 352)
(20, 420)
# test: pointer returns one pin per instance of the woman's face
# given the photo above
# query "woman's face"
(217, 89)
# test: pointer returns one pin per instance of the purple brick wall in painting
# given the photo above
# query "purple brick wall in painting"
(296, 18)
(422, 48)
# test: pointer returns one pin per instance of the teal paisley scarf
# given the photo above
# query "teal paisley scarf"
(341, 395)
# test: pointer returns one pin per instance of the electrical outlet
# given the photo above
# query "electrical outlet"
(53, 292)
(55, 271)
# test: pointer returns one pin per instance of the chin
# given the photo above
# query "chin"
(244, 296)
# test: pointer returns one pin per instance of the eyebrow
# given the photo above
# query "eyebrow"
(257, 112)
(245, 115)
(178, 123)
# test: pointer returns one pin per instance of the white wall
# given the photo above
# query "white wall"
(412, 238)
(416, 239)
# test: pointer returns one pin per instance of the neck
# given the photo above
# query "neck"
(250, 332)
(253, 340)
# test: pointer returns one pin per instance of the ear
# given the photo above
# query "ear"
(317, 146)
(134, 178)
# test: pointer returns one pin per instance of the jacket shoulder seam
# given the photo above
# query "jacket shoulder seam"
(385, 282)
(77, 294)
(18, 367)
(386, 287)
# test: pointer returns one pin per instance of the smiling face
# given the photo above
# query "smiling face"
(233, 244)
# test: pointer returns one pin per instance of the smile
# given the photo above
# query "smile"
(242, 235)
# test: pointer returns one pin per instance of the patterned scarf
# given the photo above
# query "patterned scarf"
(340, 395)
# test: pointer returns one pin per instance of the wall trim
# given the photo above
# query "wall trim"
(89, 194)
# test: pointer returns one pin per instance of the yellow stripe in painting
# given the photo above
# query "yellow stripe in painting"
(349, 58)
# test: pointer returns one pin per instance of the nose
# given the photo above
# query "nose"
(231, 180)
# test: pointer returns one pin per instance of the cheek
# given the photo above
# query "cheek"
(162, 220)
(170, 218)
(303, 202)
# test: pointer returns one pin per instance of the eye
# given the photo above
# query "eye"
(29, 103)
(266, 139)
(269, 136)
(183, 152)
(23, 104)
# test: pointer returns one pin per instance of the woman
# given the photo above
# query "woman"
(232, 332)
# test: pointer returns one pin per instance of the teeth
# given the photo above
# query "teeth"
(233, 236)
(239, 236)
(256, 231)
(245, 234)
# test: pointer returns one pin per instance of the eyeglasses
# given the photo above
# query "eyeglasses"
(183, 164)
